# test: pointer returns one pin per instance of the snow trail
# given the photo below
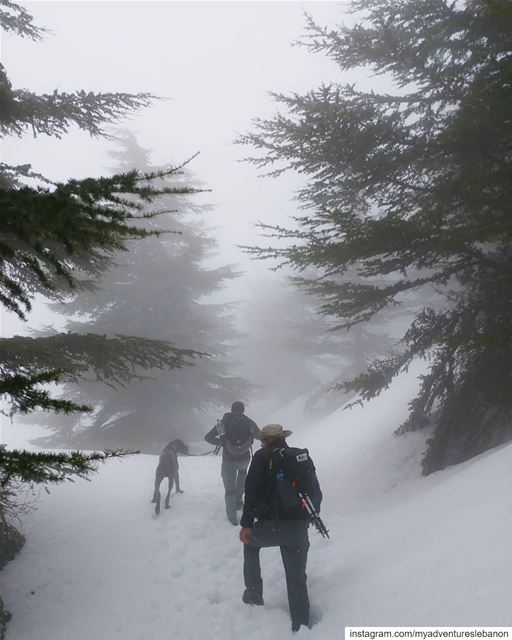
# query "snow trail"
(404, 551)
(99, 564)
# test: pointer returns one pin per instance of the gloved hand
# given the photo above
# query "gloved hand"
(244, 534)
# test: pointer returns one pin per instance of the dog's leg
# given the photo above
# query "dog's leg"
(171, 483)
(158, 482)
(156, 495)
(178, 490)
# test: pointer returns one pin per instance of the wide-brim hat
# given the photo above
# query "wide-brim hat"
(273, 431)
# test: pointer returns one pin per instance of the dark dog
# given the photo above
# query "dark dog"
(168, 468)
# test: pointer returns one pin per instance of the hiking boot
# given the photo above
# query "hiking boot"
(251, 597)
(296, 627)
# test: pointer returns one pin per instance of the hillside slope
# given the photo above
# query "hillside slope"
(404, 549)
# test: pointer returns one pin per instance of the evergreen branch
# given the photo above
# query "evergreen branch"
(53, 114)
(23, 397)
(115, 359)
(172, 171)
(378, 377)
(51, 468)
(26, 363)
(55, 236)
(13, 17)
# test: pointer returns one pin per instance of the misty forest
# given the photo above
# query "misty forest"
(304, 208)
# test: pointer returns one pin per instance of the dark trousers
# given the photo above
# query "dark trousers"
(292, 538)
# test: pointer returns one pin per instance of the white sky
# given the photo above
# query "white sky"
(216, 61)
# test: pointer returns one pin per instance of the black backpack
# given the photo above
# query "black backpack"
(292, 472)
(238, 436)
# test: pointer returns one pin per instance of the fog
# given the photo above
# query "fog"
(406, 291)
(213, 64)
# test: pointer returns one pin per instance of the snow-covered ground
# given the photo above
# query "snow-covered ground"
(404, 551)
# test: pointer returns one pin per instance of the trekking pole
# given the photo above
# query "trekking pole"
(314, 516)
(214, 451)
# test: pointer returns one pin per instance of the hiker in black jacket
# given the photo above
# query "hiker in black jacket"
(264, 524)
(235, 433)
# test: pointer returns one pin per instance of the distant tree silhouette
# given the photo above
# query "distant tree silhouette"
(161, 290)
